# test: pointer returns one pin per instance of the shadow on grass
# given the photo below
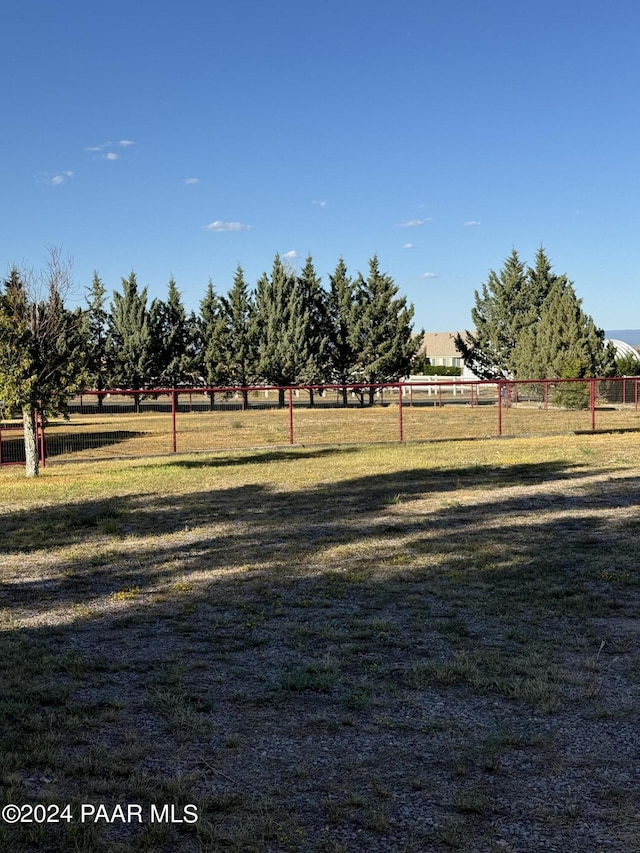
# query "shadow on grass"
(60, 443)
(295, 647)
(258, 458)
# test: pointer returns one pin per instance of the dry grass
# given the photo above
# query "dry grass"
(391, 648)
(121, 434)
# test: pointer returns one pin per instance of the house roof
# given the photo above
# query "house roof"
(439, 344)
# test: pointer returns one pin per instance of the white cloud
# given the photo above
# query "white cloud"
(219, 225)
(409, 246)
(291, 256)
(429, 275)
(60, 178)
(320, 203)
(471, 223)
(105, 146)
(413, 223)
(111, 156)
(190, 181)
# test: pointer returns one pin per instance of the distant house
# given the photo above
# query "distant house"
(440, 349)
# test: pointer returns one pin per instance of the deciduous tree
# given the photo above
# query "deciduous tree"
(42, 352)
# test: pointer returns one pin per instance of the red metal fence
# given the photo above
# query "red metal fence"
(126, 422)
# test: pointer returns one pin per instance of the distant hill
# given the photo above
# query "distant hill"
(629, 336)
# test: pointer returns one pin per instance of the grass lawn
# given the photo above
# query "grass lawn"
(378, 648)
(123, 434)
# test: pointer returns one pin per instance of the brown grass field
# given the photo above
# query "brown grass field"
(125, 434)
(419, 647)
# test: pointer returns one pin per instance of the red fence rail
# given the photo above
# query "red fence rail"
(141, 422)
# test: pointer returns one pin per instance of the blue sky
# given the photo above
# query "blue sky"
(183, 139)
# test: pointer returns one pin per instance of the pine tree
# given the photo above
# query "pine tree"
(342, 354)
(505, 305)
(96, 337)
(212, 342)
(42, 350)
(281, 321)
(383, 330)
(317, 333)
(171, 335)
(507, 317)
(240, 342)
(564, 344)
(130, 347)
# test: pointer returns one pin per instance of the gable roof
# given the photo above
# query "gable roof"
(439, 344)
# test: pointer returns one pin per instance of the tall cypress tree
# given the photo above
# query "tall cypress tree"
(342, 353)
(130, 347)
(506, 304)
(564, 343)
(96, 325)
(172, 338)
(317, 333)
(241, 345)
(281, 321)
(210, 337)
(383, 330)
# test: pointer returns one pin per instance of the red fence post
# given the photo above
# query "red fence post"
(499, 408)
(290, 415)
(592, 402)
(400, 424)
(174, 401)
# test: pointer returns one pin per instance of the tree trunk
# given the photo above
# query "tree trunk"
(32, 462)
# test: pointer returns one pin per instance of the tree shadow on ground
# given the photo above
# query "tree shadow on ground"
(392, 656)
(64, 443)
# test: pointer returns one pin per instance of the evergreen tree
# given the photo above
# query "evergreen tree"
(96, 318)
(172, 339)
(505, 305)
(42, 350)
(130, 348)
(564, 344)
(342, 354)
(240, 346)
(628, 365)
(507, 317)
(317, 333)
(212, 341)
(281, 321)
(383, 329)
